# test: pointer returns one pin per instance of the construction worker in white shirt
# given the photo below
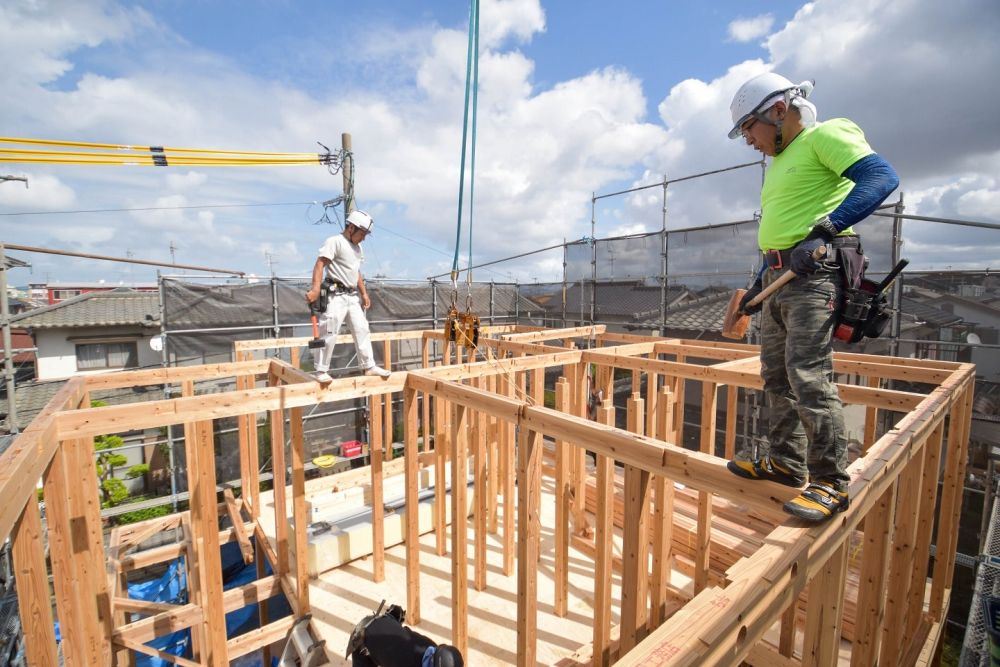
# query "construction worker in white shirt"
(339, 265)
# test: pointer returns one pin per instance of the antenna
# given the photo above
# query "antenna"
(173, 248)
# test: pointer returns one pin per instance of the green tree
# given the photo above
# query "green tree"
(113, 490)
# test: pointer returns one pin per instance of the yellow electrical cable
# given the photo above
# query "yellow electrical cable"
(297, 157)
(127, 147)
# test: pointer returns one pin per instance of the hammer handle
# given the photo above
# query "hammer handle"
(783, 279)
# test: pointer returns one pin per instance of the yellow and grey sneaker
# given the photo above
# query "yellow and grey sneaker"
(765, 468)
(818, 502)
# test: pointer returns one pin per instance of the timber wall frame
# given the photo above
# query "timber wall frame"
(490, 405)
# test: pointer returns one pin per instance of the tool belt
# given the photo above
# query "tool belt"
(336, 287)
(863, 308)
(779, 259)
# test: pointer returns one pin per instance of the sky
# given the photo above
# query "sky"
(576, 99)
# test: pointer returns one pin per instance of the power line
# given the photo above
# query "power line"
(158, 208)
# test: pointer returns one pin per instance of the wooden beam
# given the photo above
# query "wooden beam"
(156, 653)
(174, 374)
(238, 527)
(205, 527)
(529, 475)
(480, 493)
(258, 638)
(663, 524)
(553, 334)
(922, 538)
(144, 607)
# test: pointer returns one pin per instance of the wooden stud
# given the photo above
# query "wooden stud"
(205, 528)
(508, 472)
(459, 530)
(825, 613)
(33, 597)
(529, 475)
(663, 517)
(375, 450)
(241, 534)
(925, 526)
(412, 478)
(870, 615)
(635, 541)
(602, 541)
(709, 401)
(871, 417)
(387, 404)
(300, 515)
(480, 494)
(901, 560)
(279, 475)
(562, 498)
(425, 404)
(732, 408)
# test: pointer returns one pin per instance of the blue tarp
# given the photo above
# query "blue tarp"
(172, 588)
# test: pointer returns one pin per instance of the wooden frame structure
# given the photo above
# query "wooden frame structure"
(489, 409)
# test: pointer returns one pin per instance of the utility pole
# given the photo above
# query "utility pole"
(269, 258)
(173, 248)
(8, 348)
(347, 167)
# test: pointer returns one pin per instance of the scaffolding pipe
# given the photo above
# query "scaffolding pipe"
(946, 221)
(897, 287)
(663, 261)
(8, 357)
(678, 180)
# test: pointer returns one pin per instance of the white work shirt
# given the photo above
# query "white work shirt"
(345, 260)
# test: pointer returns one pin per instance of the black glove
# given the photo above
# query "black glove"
(756, 289)
(801, 260)
(397, 613)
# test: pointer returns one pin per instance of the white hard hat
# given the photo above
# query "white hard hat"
(760, 93)
(361, 220)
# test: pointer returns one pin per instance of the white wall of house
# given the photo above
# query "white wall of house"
(57, 348)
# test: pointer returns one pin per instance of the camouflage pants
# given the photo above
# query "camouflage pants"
(806, 430)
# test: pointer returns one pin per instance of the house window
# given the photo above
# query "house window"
(94, 356)
(61, 294)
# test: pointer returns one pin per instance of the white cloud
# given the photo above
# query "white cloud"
(44, 192)
(746, 30)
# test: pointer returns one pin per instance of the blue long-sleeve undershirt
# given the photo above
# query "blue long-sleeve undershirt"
(874, 180)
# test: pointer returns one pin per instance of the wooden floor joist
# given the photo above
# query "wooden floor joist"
(670, 515)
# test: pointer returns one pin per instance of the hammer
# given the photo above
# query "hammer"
(735, 324)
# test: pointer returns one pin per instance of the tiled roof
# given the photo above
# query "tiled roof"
(115, 307)
(924, 312)
(704, 314)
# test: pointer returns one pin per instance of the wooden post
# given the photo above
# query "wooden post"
(412, 476)
(663, 522)
(652, 382)
(529, 475)
(492, 458)
(278, 469)
(480, 493)
(509, 471)
(951, 500)
(387, 353)
(871, 418)
(375, 449)
(635, 543)
(33, 597)
(442, 442)
(709, 399)
(826, 611)
(605, 533)
(562, 497)
(901, 560)
(205, 528)
(425, 404)
(459, 530)
(194, 557)
(732, 407)
(301, 518)
(925, 525)
(74, 625)
(870, 615)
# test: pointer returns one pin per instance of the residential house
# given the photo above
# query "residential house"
(52, 293)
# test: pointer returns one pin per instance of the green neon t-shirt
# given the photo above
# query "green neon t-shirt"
(804, 181)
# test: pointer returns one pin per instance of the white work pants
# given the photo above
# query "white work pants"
(343, 306)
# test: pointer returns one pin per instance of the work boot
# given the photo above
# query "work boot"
(765, 468)
(377, 370)
(818, 502)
